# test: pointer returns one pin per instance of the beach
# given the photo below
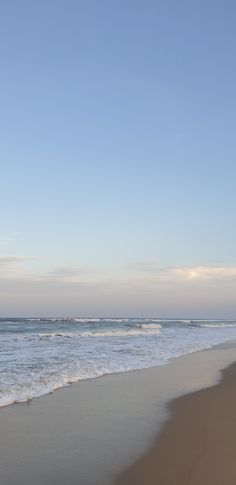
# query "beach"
(92, 433)
(117, 243)
(197, 445)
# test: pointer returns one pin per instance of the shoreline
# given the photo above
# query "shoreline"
(89, 432)
(224, 345)
(197, 443)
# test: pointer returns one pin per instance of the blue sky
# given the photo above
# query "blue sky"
(118, 158)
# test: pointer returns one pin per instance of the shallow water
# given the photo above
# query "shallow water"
(38, 356)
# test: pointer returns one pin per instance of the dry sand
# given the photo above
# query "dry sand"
(197, 446)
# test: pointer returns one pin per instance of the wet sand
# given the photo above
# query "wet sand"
(88, 433)
(197, 445)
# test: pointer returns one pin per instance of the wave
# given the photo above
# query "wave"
(42, 336)
(144, 329)
(218, 325)
(33, 319)
(57, 334)
(122, 333)
(37, 359)
(60, 375)
(28, 391)
(64, 319)
(148, 325)
(84, 320)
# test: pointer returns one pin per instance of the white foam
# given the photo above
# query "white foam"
(85, 320)
(149, 325)
(123, 333)
(217, 325)
(38, 358)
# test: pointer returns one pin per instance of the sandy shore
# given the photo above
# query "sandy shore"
(197, 446)
(87, 433)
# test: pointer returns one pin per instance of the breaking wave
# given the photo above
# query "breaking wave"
(40, 355)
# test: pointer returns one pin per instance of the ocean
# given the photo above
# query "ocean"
(40, 355)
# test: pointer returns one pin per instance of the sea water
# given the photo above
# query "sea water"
(39, 355)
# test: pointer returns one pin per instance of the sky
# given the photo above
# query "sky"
(117, 158)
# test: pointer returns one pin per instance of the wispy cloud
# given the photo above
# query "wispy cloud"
(68, 271)
(17, 267)
(137, 274)
(11, 266)
(183, 273)
(144, 287)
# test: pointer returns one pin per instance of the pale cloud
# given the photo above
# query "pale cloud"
(68, 271)
(183, 273)
(14, 259)
(137, 274)
(203, 272)
(18, 267)
(142, 288)
(13, 266)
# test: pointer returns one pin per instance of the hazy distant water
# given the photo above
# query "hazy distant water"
(38, 356)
